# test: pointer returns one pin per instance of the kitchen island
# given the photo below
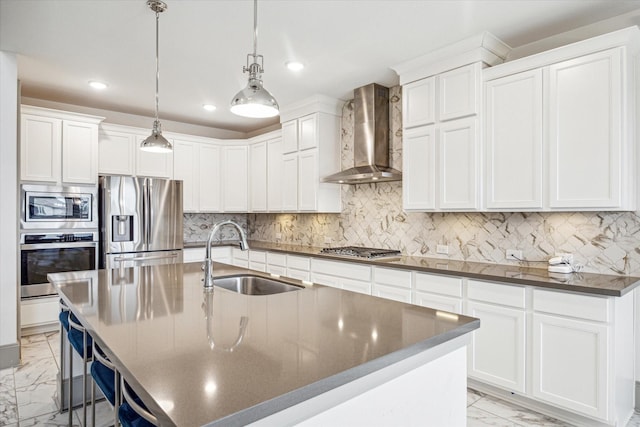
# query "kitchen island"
(313, 356)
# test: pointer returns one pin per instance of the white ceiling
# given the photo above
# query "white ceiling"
(62, 44)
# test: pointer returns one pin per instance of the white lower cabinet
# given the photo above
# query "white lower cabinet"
(571, 345)
(39, 313)
(239, 258)
(298, 267)
(218, 254)
(438, 292)
(344, 275)
(392, 284)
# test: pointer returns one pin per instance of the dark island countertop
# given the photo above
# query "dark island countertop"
(591, 283)
(187, 354)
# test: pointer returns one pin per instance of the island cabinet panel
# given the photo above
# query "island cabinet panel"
(497, 351)
(514, 141)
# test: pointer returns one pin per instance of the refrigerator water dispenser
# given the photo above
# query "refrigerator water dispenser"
(122, 226)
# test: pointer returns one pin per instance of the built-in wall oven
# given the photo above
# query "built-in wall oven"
(58, 233)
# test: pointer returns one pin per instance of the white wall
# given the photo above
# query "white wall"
(8, 209)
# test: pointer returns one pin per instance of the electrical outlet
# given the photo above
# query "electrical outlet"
(442, 249)
(513, 254)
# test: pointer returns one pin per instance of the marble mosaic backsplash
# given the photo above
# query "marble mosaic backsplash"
(197, 226)
(604, 242)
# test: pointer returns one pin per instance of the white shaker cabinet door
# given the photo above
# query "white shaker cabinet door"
(514, 144)
(185, 168)
(458, 176)
(210, 192)
(459, 92)
(497, 350)
(235, 179)
(419, 103)
(116, 153)
(275, 174)
(155, 165)
(290, 136)
(258, 177)
(585, 131)
(79, 152)
(308, 132)
(570, 364)
(290, 182)
(308, 180)
(419, 168)
(40, 143)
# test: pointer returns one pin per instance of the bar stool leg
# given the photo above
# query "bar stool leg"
(62, 370)
(70, 384)
(84, 379)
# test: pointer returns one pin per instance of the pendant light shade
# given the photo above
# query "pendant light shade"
(254, 100)
(156, 143)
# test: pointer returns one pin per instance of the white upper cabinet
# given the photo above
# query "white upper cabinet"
(258, 177)
(57, 147)
(419, 103)
(116, 152)
(458, 164)
(311, 147)
(120, 154)
(184, 157)
(235, 178)
(419, 168)
(586, 157)
(275, 173)
(197, 165)
(210, 191)
(558, 137)
(459, 92)
(514, 141)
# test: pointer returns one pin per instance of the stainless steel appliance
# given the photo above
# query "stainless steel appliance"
(140, 221)
(58, 207)
(359, 252)
(54, 252)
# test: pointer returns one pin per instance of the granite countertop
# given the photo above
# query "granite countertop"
(187, 354)
(592, 283)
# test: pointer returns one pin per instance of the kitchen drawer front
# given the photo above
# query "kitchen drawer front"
(393, 277)
(257, 256)
(193, 254)
(239, 254)
(276, 269)
(438, 302)
(298, 274)
(572, 305)
(342, 269)
(494, 293)
(274, 258)
(438, 284)
(325, 279)
(298, 262)
(259, 266)
(362, 287)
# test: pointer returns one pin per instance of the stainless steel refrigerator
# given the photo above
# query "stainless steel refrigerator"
(140, 221)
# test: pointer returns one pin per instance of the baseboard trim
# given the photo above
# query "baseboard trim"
(39, 329)
(9, 355)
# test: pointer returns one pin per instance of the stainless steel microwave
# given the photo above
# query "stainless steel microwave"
(56, 207)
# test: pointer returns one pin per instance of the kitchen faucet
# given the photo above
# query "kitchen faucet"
(208, 263)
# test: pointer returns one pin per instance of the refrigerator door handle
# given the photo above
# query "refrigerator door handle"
(149, 211)
(145, 258)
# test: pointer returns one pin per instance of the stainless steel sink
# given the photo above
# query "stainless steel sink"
(254, 285)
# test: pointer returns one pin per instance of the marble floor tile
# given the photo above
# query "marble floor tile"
(35, 371)
(635, 420)
(104, 414)
(473, 396)
(8, 407)
(35, 349)
(518, 414)
(478, 418)
(36, 400)
(49, 420)
(32, 339)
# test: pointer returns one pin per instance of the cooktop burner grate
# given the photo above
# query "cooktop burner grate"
(359, 252)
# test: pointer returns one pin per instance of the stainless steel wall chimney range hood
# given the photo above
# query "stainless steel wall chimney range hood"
(370, 139)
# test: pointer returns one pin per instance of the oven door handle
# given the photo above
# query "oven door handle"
(60, 245)
(145, 258)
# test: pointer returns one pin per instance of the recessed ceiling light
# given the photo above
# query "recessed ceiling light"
(209, 107)
(294, 66)
(98, 85)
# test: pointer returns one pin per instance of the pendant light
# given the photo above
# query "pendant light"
(156, 143)
(254, 100)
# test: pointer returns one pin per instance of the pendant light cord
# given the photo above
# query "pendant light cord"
(157, 63)
(255, 29)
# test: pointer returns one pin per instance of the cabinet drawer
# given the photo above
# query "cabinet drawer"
(257, 256)
(438, 302)
(572, 305)
(325, 279)
(497, 293)
(193, 254)
(363, 287)
(390, 276)
(277, 259)
(259, 266)
(342, 269)
(239, 254)
(438, 284)
(277, 269)
(298, 262)
(297, 274)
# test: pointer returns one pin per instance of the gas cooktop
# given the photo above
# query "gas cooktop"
(359, 252)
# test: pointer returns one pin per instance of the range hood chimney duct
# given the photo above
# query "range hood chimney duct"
(370, 139)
